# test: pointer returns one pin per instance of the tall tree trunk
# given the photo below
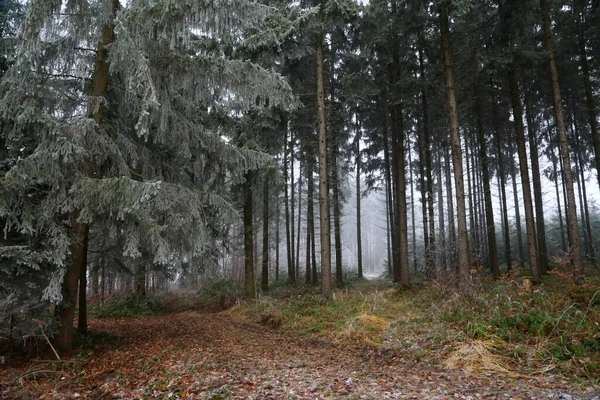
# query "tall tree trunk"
(297, 263)
(464, 262)
(513, 174)
(564, 147)
(585, 72)
(264, 281)
(440, 256)
(277, 224)
(337, 214)
(502, 178)
(554, 161)
(77, 268)
(540, 225)
(424, 191)
(326, 286)
(292, 210)
(591, 254)
(389, 191)
(428, 167)
(489, 207)
(412, 210)
(358, 197)
(470, 189)
(249, 284)
(288, 236)
(524, 170)
(451, 243)
(402, 269)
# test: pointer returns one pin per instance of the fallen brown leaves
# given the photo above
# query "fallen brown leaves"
(193, 355)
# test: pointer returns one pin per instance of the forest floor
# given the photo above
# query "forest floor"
(252, 352)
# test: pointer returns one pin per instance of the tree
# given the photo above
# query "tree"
(147, 162)
(452, 111)
(563, 145)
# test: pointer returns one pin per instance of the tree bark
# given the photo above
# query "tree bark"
(139, 284)
(464, 262)
(326, 286)
(297, 263)
(264, 280)
(520, 253)
(337, 214)
(564, 147)
(249, 284)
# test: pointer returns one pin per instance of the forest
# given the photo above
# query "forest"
(308, 199)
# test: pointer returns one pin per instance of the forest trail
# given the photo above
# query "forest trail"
(195, 355)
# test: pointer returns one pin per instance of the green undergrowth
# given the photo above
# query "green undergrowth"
(492, 325)
(127, 307)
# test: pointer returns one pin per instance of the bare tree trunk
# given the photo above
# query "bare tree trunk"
(292, 210)
(502, 185)
(264, 281)
(440, 262)
(82, 314)
(249, 283)
(389, 192)
(464, 262)
(412, 211)
(489, 207)
(297, 263)
(358, 198)
(288, 236)
(326, 286)
(513, 173)
(402, 269)
(95, 277)
(554, 161)
(277, 224)
(337, 214)
(139, 283)
(537, 187)
(430, 246)
(564, 147)
(451, 242)
(524, 169)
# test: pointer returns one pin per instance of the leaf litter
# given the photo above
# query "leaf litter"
(196, 355)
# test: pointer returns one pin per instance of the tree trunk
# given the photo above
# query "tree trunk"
(554, 161)
(489, 207)
(389, 192)
(297, 263)
(277, 224)
(451, 242)
(402, 270)
(95, 277)
(540, 226)
(326, 287)
(139, 283)
(337, 215)
(585, 72)
(564, 147)
(82, 314)
(358, 198)
(502, 178)
(288, 237)
(292, 277)
(430, 246)
(524, 170)
(62, 341)
(412, 210)
(249, 284)
(513, 173)
(464, 262)
(264, 280)
(440, 259)
(78, 265)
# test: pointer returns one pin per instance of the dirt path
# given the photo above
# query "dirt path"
(213, 356)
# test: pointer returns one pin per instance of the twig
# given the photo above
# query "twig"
(48, 340)
(32, 373)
